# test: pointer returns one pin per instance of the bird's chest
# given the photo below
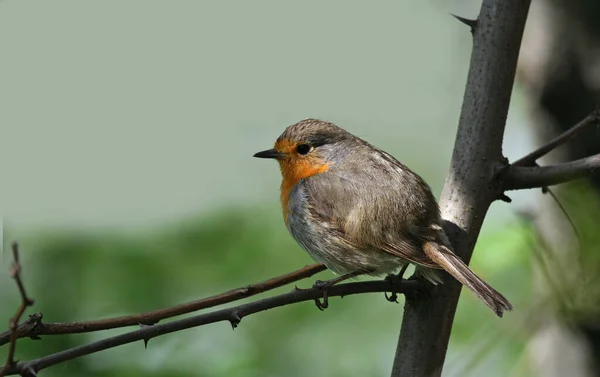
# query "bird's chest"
(299, 222)
(295, 210)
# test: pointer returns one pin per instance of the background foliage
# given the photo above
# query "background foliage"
(84, 276)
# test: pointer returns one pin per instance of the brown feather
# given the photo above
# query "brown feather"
(450, 262)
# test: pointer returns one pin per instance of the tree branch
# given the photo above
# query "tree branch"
(470, 185)
(234, 315)
(530, 159)
(521, 177)
(15, 273)
(33, 326)
(525, 173)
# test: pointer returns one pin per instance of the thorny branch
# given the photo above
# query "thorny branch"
(471, 184)
(234, 315)
(526, 173)
(15, 273)
(33, 326)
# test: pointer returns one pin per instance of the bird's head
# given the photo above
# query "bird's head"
(307, 148)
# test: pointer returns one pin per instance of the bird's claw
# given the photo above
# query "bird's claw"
(395, 279)
(322, 305)
(391, 298)
(322, 285)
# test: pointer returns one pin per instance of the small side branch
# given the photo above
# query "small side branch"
(520, 177)
(571, 133)
(233, 315)
(15, 273)
(33, 327)
(526, 173)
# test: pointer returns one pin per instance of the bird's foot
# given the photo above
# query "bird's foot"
(393, 296)
(324, 286)
(395, 279)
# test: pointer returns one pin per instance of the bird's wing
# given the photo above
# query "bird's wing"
(368, 213)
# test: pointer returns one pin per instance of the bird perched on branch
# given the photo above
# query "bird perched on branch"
(356, 209)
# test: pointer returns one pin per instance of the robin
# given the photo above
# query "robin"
(359, 211)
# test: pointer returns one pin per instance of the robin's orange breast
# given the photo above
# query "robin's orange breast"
(293, 170)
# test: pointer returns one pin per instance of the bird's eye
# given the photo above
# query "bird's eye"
(304, 149)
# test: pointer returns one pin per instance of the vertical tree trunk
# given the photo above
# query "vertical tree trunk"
(469, 187)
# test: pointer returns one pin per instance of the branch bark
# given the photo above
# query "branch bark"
(15, 272)
(470, 186)
(33, 326)
(234, 315)
(521, 177)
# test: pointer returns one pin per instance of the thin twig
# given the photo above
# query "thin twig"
(571, 133)
(234, 315)
(522, 177)
(15, 273)
(565, 214)
(33, 327)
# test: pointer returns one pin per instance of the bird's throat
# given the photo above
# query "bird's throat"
(292, 172)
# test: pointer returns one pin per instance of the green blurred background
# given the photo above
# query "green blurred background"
(127, 134)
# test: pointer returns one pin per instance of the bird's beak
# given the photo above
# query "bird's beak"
(269, 153)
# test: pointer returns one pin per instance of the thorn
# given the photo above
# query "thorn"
(470, 23)
(296, 289)
(504, 198)
(235, 320)
(146, 340)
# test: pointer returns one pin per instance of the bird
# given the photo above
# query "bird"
(359, 211)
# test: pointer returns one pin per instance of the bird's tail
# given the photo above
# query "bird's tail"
(446, 259)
